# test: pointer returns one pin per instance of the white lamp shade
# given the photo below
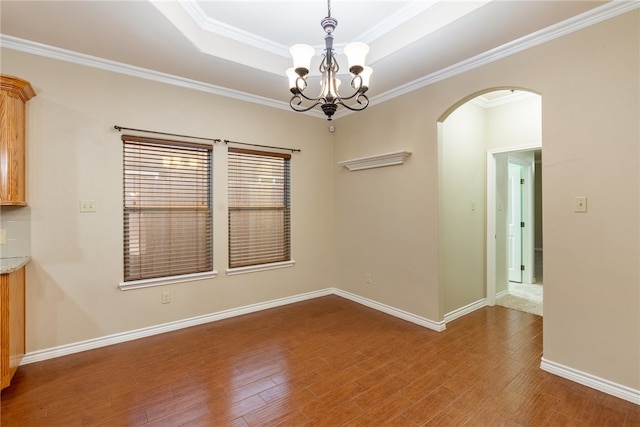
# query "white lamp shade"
(293, 76)
(366, 76)
(356, 54)
(302, 54)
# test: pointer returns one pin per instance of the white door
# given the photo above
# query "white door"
(514, 223)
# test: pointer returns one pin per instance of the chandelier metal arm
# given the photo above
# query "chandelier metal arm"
(299, 97)
(359, 89)
(296, 101)
(361, 99)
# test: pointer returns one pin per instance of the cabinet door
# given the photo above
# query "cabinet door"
(14, 93)
(12, 324)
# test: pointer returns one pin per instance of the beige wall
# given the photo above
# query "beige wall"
(74, 153)
(386, 219)
(515, 124)
(381, 221)
(462, 183)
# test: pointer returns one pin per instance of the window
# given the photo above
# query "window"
(167, 208)
(259, 208)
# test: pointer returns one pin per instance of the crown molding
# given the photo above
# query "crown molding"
(396, 19)
(223, 29)
(65, 55)
(596, 15)
(602, 13)
(206, 23)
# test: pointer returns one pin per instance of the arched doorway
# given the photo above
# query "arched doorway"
(475, 136)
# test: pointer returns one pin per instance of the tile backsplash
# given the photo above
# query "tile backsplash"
(15, 231)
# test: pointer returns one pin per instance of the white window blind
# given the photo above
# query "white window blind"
(259, 207)
(167, 208)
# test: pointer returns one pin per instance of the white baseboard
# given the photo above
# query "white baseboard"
(583, 378)
(453, 315)
(597, 383)
(502, 293)
(422, 321)
(64, 350)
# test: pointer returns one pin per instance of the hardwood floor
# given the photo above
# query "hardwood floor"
(323, 362)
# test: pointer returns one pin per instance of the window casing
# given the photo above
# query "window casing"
(167, 208)
(259, 208)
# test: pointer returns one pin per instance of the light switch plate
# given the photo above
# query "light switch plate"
(87, 205)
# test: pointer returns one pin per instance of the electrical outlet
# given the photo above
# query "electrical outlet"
(581, 204)
(166, 297)
(367, 278)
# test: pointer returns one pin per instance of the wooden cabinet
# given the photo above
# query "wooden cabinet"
(14, 94)
(12, 324)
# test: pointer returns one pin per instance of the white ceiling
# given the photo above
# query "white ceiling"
(240, 47)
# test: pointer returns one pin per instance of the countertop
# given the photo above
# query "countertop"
(9, 265)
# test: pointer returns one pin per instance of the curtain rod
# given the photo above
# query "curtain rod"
(293, 150)
(226, 141)
(120, 128)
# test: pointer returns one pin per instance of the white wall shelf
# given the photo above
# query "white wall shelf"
(378, 161)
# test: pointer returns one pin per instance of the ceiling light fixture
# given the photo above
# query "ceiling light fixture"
(329, 98)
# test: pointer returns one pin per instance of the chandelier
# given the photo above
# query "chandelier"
(329, 97)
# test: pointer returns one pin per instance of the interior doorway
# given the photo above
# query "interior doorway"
(473, 136)
(514, 211)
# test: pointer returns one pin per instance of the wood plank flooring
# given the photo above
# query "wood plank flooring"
(323, 362)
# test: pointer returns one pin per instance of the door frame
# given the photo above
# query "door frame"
(491, 213)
